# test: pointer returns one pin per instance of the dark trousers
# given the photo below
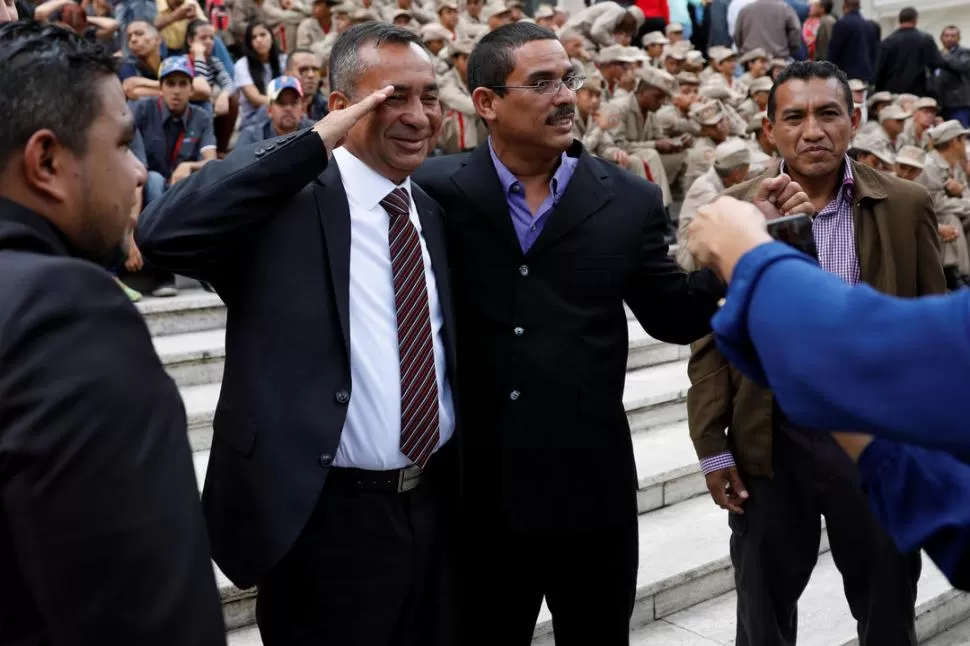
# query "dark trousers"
(369, 569)
(774, 548)
(587, 579)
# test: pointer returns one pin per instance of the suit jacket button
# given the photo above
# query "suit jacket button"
(514, 395)
(270, 147)
(326, 460)
(524, 270)
(518, 331)
(259, 152)
(342, 396)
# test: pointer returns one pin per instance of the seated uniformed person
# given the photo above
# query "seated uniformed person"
(889, 126)
(575, 46)
(674, 118)
(615, 65)
(924, 112)
(461, 129)
(725, 62)
(728, 98)
(943, 175)
(448, 18)
(755, 63)
(867, 150)
(545, 16)
(286, 113)
(178, 140)
(715, 130)
(731, 165)
(592, 127)
(757, 100)
(758, 141)
(776, 66)
(654, 44)
(674, 61)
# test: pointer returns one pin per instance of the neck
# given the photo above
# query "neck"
(283, 131)
(907, 25)
(152, 60)
(820, 190)
(526, 168)
(175, 113)
(263, 58)
(325, 23)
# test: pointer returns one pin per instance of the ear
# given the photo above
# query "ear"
(856, 119)
(769, 128)
(47, 165)
(338, 101)
(485, 100)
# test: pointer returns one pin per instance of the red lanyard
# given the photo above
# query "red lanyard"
(177, 148)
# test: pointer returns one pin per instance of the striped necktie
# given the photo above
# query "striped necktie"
(419, 385)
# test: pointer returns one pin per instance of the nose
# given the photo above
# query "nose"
(141, 173)
(416, 114)
(564, 96)
(812, 130)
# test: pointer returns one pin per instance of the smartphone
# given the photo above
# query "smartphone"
(795, 231)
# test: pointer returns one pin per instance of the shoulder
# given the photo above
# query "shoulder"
(435, 173)
(904, 196)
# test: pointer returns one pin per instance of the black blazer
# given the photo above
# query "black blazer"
(269, 227)
(906, 59)
(543, 337)
(102, 539)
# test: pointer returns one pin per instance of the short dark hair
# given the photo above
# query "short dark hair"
(953, 27)
(345, 65)
(805, 70)
(50, 79)
(191, 30)
(850, 5)
(827, 6)
(491, 61)
(908, 14)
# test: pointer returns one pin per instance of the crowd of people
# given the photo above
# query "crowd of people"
(435, 169)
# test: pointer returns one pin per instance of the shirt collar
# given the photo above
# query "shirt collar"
(364, 186)
(167, 114)
(557, 184)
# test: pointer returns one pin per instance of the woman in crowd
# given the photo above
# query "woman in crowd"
(261, 63)
(200, 38)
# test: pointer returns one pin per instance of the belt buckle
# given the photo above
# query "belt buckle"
(408, 478)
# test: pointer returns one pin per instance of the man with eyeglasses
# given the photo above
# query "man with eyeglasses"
(546, 244)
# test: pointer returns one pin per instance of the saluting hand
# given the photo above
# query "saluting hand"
(334, 127)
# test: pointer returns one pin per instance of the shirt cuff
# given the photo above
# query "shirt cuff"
(716, 462)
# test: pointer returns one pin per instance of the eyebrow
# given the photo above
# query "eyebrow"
(801, 110)
(430, 87)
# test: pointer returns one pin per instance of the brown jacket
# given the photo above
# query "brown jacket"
(899, 254)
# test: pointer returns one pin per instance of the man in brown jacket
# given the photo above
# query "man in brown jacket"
(775, 479)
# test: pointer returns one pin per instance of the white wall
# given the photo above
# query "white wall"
(934, 15)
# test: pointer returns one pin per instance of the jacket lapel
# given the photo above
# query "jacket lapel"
(867, 190)
(478, 180)
(334, 214)
(589, 189)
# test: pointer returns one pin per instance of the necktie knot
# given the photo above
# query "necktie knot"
(397, 203)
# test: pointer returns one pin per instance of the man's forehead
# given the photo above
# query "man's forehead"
(540, 56)
(810, 92)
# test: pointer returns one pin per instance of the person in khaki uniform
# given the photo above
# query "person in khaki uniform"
(673, 61)
(599, 22)
(616, 67)
(732, 160)
(757, 138)
(725, 61)
(776, 479)
(943, 177)
(715, 129)
(875, 104)
(592, 127)
(638, 133)
(417, 14)
(654, 44)
(869, 152)
(315, 28)
(755, 64)
(581, 58)
(277, 14)
(924, 112)
(891, 121)
(674, 118)
(910, 163)
(757, 100)
(461, 129)
(728, 98)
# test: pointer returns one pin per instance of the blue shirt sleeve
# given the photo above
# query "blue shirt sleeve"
(127, 70)
(848, 357)
(207, 138)
(922, 499)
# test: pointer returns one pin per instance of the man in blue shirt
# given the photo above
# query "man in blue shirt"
(178, 139)
(286, 113)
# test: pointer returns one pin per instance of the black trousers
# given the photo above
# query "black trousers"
(587, 579)
(774, 548)
(369, 569)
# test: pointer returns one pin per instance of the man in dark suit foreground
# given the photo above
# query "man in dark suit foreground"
(101, 534)
(331, 461)
(546, 242)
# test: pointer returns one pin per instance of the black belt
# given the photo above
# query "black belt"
(354, 480)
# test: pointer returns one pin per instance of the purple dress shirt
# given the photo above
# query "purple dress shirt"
(528, 227)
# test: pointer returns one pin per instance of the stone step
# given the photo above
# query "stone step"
(193, 310)
(653, 396)
(958, 635)
(667, 467)
(823, 619)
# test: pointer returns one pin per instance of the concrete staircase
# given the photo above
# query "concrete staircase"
(685, 583)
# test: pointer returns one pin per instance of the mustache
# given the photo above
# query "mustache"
(561, 112)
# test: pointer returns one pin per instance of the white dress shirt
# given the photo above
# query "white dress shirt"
(371, 437)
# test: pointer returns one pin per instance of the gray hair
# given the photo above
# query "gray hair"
(345, 64)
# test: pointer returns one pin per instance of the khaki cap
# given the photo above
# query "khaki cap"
(756, 122)
(674, 28)
(707, 114)
(731, 154)
(434, 31)
(946, 131)
(688, 78)
(871, 145)
(694, 57)
(657, 78)
(545, 11)
(464, 46)
(856, 85)
(447, 4)
(911, 156)
(401, 12)
(344, 7)
(615, 54)
(493, 9)
(879, 97)
(511, 4)
(654, 38)
(753, 54)
(761, 84)
(718, 91)
(778, 62)
(723, 54)
(593, 84)
(714, 50)
(676, 54)
(358, 16)
(926, 102)
(894, 112)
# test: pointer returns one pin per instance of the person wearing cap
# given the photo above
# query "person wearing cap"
(461, 129)
(615, 65)
(923, 118)
(435, 36)
(943, 174)
(910, 162)
(776, 478)
(715, 129)
(673, 61)
(575, 46)
(638, 133)
(178, 140)
(757, 101)
(674, 118)
(448, 17)
(724, 62)
(315, 28)
(728, 98)
(286, 113)
(593, 124)
(888, 128)
(869, 152)
(757, 137)
(654, 43)
(599, 22)
(545, 16)
(776, 66)
(771, 25)
(694, 62)
(730, 164)
(875, 104)
(415, 12)
(341, 20)
(858, 88)
(674, 32)
(516, 9)
(470, 23)
(495, 14)
(755, 64)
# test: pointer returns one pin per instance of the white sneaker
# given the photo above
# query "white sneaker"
(165, 291)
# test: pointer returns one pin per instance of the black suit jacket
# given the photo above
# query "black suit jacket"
(102, 539)
(269, 227)
(906, 58)
(543, 337)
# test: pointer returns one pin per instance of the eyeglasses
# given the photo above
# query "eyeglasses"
(547, 86)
